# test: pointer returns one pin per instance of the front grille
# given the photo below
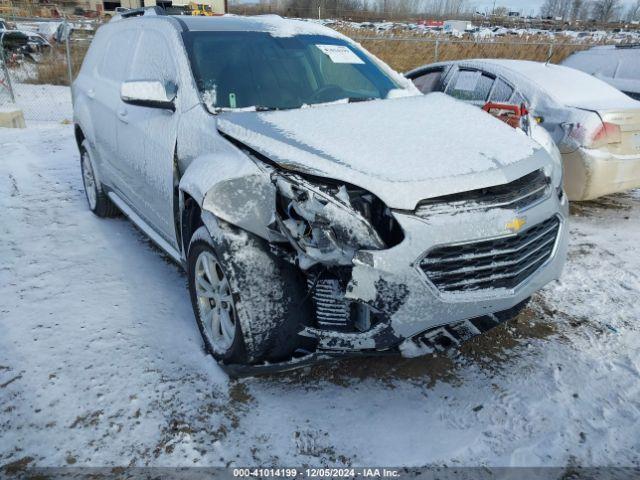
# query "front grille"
(501, 263)
(518, 194)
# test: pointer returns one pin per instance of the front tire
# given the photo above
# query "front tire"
(262, 295)
(98, 201)
(214, 306)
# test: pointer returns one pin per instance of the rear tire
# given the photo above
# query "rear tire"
(99, 202)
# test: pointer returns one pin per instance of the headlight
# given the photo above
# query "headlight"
(329, 222)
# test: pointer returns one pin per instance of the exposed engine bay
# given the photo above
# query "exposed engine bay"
(327, 224)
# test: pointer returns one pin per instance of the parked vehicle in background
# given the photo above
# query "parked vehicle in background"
(178, 10)
(595, 126)
(320, 205)
(618, 65)
(207, 10)
(3, 25)
(457, 27)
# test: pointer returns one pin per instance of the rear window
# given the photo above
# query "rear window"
(569, 86)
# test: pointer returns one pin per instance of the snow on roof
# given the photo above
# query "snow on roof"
(567, 85)
(272, 24)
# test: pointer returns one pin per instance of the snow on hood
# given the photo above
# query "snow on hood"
(403, 150)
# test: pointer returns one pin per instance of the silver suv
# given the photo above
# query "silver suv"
(320, 205)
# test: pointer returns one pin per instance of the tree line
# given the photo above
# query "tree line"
(567, 10)
(598, 10)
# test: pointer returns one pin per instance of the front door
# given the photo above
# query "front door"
(147, 139)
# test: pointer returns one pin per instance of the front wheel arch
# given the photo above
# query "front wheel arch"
(190, 220)
(271, 292)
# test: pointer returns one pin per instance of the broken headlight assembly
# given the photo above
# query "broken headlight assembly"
(327, 222)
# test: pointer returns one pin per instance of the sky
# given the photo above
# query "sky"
(527, 6)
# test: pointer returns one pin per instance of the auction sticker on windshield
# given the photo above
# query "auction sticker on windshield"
(340, 54)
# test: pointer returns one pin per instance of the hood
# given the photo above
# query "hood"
(402, 150)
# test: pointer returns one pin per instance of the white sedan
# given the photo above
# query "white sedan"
(595, 126)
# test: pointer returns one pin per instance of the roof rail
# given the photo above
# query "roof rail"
(629, 45)
(140, 12)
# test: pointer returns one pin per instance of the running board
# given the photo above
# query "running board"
(144, 226)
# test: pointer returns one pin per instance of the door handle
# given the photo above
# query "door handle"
(91, 93)
(122, 115)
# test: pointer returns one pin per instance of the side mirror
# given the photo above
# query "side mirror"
(149, 93)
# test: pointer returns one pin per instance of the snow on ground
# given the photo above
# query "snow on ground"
(101, 363)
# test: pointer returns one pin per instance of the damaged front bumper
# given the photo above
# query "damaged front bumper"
(450, 268)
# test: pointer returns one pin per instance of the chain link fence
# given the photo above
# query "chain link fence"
(7, 100)
(40, 59)
(41, 70)
(404, 53)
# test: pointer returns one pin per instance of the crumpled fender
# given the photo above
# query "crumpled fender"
(233, 188)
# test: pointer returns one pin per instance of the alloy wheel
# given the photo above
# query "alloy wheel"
(215, 302)
(89, 181)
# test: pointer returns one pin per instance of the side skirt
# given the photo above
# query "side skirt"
(146, 228)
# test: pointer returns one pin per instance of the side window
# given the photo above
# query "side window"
(501, 92)
(470, 86)
(153, 59)
(118, 55)
(518, 99)
(429, 82)
(95, 54)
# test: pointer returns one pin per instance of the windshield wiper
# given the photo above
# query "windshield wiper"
(360, 99)
(264, 108)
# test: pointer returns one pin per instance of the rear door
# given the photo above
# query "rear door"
(147, 136)
(104, 96)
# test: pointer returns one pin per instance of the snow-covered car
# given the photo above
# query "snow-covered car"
(595, 126)
(320, 205)
(618, 65)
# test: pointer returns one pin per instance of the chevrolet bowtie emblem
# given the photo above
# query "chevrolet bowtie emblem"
(516, 224)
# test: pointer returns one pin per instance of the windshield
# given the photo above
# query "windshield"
(255, 69)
